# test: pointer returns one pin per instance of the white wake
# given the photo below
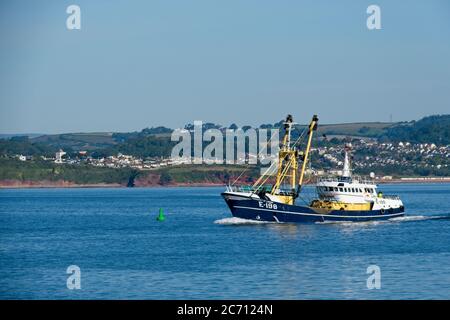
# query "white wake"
(352, 223)
(234, 221)
(375, 222)
(416, 218)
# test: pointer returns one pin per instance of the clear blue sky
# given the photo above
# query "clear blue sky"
(136, 64)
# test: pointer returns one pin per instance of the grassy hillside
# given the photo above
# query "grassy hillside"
(48, 171)
(77, 141)
(206, 174)
(25, 146)
(147, 146)
(432, 129)
(364, 129)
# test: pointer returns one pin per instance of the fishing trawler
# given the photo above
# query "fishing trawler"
(339, 198)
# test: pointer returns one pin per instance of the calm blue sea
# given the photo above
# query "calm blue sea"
(199, 252)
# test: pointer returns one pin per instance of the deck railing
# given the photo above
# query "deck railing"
(356, 179)
(244, 188)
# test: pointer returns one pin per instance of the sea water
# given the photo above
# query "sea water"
(201, 252)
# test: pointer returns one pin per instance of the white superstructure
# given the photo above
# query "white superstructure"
(353, 189)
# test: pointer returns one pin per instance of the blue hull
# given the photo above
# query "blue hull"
(263, 210)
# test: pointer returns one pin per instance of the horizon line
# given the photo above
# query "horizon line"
(157, 126)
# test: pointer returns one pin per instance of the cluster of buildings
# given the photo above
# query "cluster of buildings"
(128, 161)
(117, 161)
(373, 154)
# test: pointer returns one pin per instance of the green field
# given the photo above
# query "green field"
(206, 174)
(363, 129)
(33, 171)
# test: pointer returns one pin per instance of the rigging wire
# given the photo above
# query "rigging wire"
(248, 164)
(283, 173)
(300, 137)
(257, 184)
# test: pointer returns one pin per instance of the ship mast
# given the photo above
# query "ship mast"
(312, 127)
(287, 165)
(347, 171)
(287, 162)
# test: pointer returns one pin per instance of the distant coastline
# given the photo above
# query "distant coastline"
(68, 184)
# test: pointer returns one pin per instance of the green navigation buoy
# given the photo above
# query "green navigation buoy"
(160, 216)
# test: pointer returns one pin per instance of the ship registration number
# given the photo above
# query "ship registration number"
(268, 205)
